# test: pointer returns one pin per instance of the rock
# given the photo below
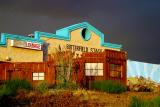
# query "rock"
(142, 85)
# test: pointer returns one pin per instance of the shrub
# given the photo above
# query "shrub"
(156, 101)
(108, 86)
(67, 85)
(137, 102)
(5, 91)
(11, 87)
(18, 84)
(42, 87)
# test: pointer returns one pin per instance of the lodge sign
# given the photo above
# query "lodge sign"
(26, 44)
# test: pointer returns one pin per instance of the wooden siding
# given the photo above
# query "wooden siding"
(25, 70)
(107, 57)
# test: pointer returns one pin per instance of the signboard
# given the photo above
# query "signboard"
(82, 48)
(25, 44)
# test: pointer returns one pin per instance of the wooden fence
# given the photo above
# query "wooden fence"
(25, 70)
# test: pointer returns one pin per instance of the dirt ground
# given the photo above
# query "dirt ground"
(68, 98)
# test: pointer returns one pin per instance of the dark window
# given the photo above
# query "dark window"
(115, 70)
(84, 33)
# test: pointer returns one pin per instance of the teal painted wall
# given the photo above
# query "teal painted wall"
(61, 34)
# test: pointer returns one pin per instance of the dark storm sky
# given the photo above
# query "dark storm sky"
(133, 23)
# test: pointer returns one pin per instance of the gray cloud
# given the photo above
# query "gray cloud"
(132, 23)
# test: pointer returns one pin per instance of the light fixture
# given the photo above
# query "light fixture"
(8, 58)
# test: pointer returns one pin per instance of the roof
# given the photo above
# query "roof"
(62, 34)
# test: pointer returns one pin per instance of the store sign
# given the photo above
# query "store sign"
(24, 44)
(82, 48)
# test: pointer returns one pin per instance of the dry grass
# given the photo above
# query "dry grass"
(78, 98)
(114, 100)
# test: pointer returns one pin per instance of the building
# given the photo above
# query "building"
(31, 52)
(107, 65)
(81, 37)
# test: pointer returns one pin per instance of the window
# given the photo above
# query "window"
(85, 33)
(115, 70)
(38, 76)
(94, 69)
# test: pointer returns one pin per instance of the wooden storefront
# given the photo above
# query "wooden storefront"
(107, 65)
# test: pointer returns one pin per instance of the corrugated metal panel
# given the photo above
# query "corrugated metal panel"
(147, 70)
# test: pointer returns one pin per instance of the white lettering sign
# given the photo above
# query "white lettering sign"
(24, 44)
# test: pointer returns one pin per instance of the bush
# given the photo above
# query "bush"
(136, 102)
(42, 87)
(11, 86)
(5, 91)
(108, 86)
(156, 101)
(18, 84)
(67, 85)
